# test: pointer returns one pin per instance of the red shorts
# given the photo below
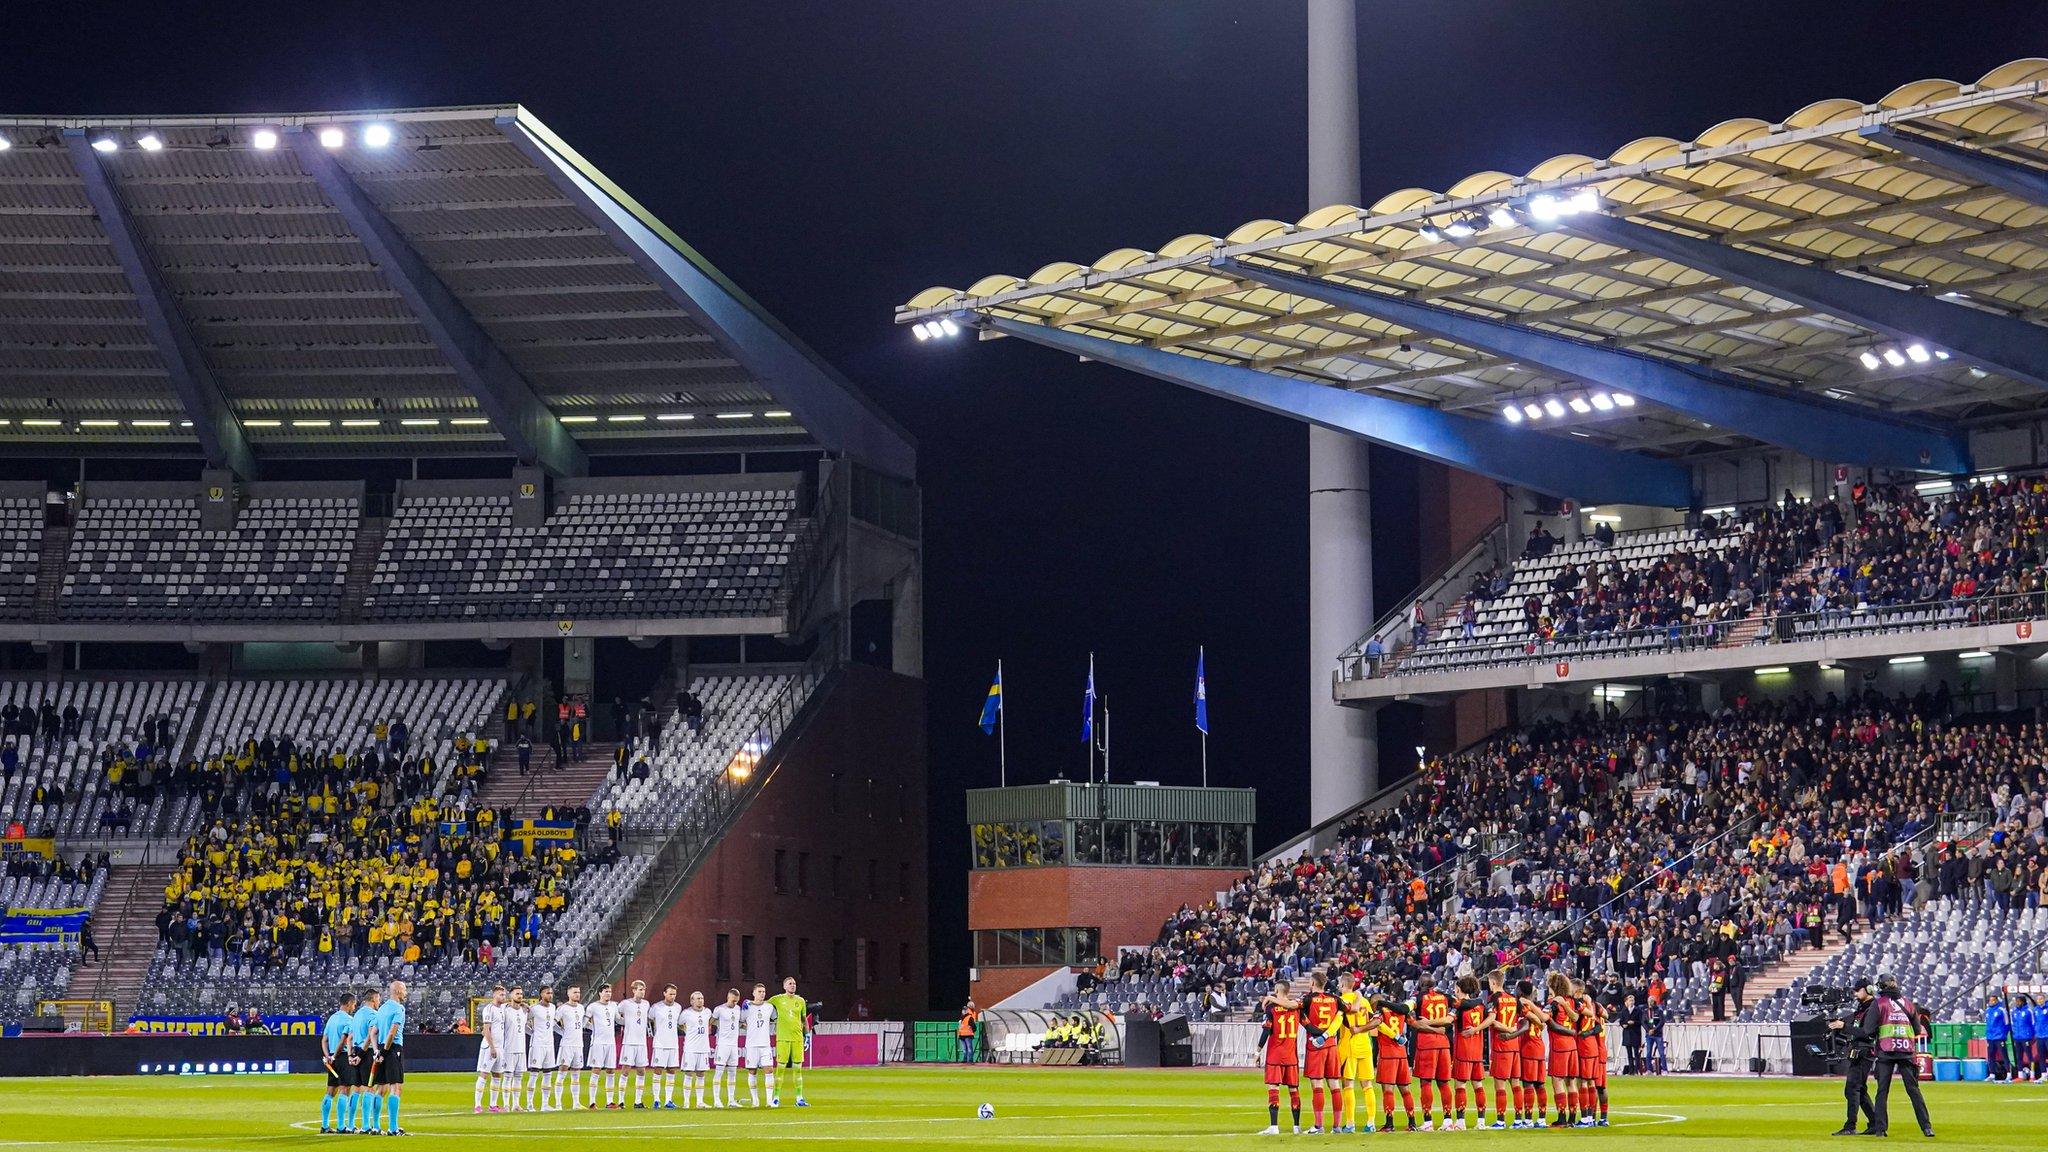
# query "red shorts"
(1433, 1064)
(1507, 1064)
(1324, 1063)
(1283, 1075)
(1593, 1068)
(1564, 1062)
(1392, 1071)
(1467, 1071)
(1532, 1068)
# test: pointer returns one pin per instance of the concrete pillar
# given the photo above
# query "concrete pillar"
(2005, 680)
(218, 499)
(679, 660)
(578, 665)
(529, 497)
(1343, 748)
(906, 626)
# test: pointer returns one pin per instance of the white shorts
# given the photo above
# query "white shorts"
(485, 1062)
(541, 1062)
(760, 1057)
(633, 1054)
(515, 1061)
(572, 1055)
(727, 1058)
(603, 1053)
(665, 1057)
(696, 1061)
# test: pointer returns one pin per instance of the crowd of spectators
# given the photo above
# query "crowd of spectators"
(1649, 855)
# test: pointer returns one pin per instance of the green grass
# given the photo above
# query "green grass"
(1064, 1109)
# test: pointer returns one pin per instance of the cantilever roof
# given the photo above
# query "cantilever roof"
(1812, 189)
(603, 315)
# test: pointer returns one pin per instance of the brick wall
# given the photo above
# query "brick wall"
(852, 790)
(1128, 904)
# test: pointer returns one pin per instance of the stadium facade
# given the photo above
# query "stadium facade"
(315, 422)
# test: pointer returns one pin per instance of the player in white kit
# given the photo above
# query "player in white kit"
(516, 1022)
(491, 1053)
(696, 1048)
(540, 1050)
(569, 1017)
(633, 1043)
(759, 1016)
(664, 1017)
(603, 1021)
(726, 1022)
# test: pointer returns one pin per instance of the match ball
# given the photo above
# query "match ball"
(986, 1112)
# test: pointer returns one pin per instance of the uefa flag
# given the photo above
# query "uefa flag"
(992, 708)
(1201, 694)
(1088, 701)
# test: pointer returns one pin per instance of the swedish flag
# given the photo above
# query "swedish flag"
(992, 708)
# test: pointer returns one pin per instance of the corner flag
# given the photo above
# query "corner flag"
(1201, 694)
(1088, 700)
(992, 708)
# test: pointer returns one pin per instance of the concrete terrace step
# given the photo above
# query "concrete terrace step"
(124, 925)
(571, 787)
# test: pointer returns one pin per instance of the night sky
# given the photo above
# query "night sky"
(835, 158)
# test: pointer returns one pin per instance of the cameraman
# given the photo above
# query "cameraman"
(1858, 1036)
(1899, 1029)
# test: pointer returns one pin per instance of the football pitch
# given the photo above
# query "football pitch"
(1069, 1109)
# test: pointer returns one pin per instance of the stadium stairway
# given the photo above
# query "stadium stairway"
(124, 926)
(1768, 982)
(572, 787)
(50, 571)
(361, 564)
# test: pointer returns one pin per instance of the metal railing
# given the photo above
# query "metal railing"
(1775, 628)
(708, 811)
(1491, 544)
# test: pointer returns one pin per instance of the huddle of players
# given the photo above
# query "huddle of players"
(362, 1045)
(541, 1046)
(1354, 1040)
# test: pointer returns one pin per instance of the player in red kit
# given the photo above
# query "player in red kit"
(1433, 1052)
(1468, 1050)
(1322, 1020)
(1509, 1030)
(1280, 1035)
(1535, 1093)
(1391, 1070)
(1592, 1058)
(1561, 1023)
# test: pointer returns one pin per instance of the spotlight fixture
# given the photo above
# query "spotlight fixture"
(332, 138)
(106, 144)
(1917, 353)
(264, 139)
(5, 143)
(377, 136)
(1500, 217)
(1554, 408)
(950, 328)
(1546, 207)
(1603, 401)
(1578, 404)
(1624, 400)
(1428, 232)
(1894, 357)
(923, 332)
(1532, 411)
(1459, 229)
(1870, 360)
(150, 142)
(1511, 414)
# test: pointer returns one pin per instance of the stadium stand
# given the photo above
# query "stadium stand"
(147, 558)
(56, 761)
(654, 788)
(40, 970)
(717, 547)
(21, 546)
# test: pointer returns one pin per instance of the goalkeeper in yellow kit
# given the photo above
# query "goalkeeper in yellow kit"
(1356, 1042)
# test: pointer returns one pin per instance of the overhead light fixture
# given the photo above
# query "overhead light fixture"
(264, 139)
(42, 423)
(1894, 357)
(1579, 405)
(312, 423)
(1624, 400)
(106, 144)
(1907, 660)
(262, 423)
(377, 136)
(149, 423)
(579, 419)
(948, 327)
(1546, 207)
(1603, 401)
(426, 421)
(1774, 670)
(1940, 355)
(735, 415)
(1459, 229)
(150, 142)
(1428, 232)
(677, 416)
(624, 419)
(775, 414)
(1553, 407)
(1917, 353)
(1511, 414)
(1870, 360)
(1977, 655)
(99, 423)
(362, 423)
(1532, 411)
(332, 138)
(1500, 217)
(5, 143)
(469, 421)
(923, 331)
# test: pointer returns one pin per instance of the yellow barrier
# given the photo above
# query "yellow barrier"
(89, 1015)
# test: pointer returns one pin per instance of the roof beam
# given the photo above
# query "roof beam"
(1556, 465)
(828, 406)
(2015, 347)
(1822, 430)
(2021, 180)
(213, 421)
(515, 409)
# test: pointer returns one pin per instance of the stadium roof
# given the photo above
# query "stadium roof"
(1859, 282)
(373, 281)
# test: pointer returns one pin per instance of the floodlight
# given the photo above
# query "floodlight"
(1870, 360)
(150, 142)
(1603, 401)
(377, 136)
(1511, 414)
(264, 139)
(1553, 407)
(1624, 400)
(1917, 353)
(106, 144)
(1532, 411)
(1894, 357)
(332, 138)
(1580, 406)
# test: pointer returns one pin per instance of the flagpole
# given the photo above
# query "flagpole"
(1091, 718)
(1105, 737)
(1201, 674)
(1003, 730)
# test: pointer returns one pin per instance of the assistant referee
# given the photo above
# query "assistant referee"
(387, 1032)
